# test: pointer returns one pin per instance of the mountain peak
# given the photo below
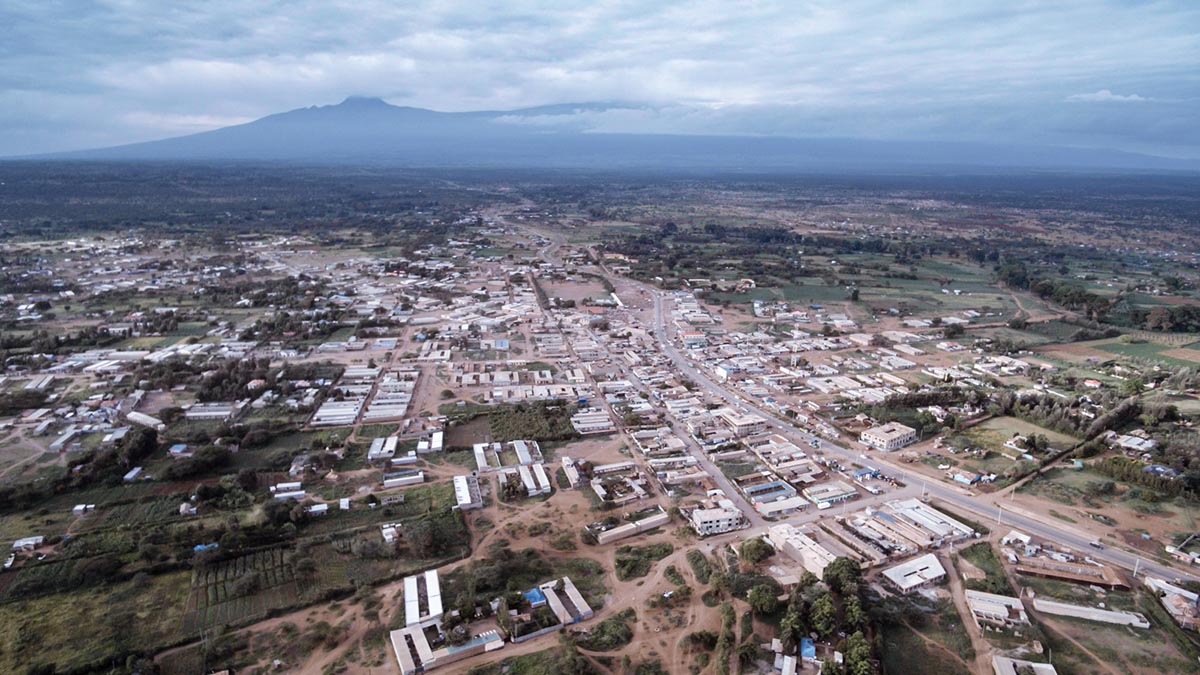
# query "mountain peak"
(363, 102)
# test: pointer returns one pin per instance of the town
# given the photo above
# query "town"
(522, 436)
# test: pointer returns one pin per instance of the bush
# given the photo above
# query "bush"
(611, 633)
(634, 561)
(700, 565)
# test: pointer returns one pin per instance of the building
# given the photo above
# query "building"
(1182, 604)
(998, 610)
(726, 517)
(466, 493)
(889, 437)
(1119, 618)
(422, 600)
(742, 424)
(566, 601)
(830, 493)
(916, 573)
(414, 654)
(1003, 665)
(801, 547)
(28, 543)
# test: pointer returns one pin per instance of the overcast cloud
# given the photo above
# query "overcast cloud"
(1126, 75)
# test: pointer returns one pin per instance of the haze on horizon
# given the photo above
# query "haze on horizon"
(1114, 75)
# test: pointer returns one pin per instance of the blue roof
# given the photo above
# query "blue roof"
(535, 596)
(808, 649)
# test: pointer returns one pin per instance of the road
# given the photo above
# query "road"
(1003, 515)
(995, 513)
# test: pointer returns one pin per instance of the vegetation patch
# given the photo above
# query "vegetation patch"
(635, 561)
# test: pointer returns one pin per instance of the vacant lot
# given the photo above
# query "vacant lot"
(993, 433)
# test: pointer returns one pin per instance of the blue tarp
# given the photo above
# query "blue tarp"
(808, 650)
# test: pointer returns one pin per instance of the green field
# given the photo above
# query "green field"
(1148, 351)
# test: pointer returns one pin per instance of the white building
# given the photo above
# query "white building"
(466, 493)
(801, 547)
(916, 573)
(422, 599)
(725, 518)
(1000, 610)
(889, 437)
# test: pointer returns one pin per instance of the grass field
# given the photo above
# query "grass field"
(72, 630)
(1150, 351)
(932, 640)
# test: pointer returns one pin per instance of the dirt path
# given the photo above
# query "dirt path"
(21, 441)
(983, 650)
(1098, 661)
(931, 643)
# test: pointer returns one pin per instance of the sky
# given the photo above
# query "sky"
(80, 74)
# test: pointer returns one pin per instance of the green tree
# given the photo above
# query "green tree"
(762, 600)
(1132, 386)
(824, 615)
(747, 652)
(842, 573)
(852, 613)
(755, 550)
(858, 655)
(791, 628)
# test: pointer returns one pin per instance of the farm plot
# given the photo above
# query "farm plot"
(160, 511)
(236, 590)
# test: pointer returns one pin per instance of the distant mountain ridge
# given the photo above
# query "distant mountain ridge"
(370, 130)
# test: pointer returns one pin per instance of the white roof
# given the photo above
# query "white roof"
(915, 572)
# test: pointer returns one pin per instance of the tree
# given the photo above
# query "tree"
(808, 580)
(824, 615)
(247, 479)
(791, 628)
(762, 600)
(852, 613)
(858, 655)
(755, 550)
(1132, 386)
(747, 652)
(842, 573)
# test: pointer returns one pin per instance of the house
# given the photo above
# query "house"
(28, 543)
(1182, 604)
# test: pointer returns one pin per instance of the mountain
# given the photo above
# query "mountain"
(369, 130)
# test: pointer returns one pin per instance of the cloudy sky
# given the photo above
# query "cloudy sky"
(1125, 75)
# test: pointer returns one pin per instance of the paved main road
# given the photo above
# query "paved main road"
(995, 513)
(986, 509)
